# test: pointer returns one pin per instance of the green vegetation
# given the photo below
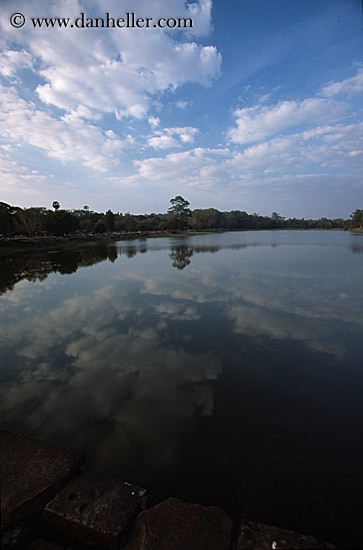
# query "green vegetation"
(39, 221)
(179, 213)
(356, 222)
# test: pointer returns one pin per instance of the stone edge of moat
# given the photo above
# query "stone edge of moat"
(49, 501)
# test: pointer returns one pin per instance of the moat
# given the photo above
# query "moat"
(220, 369)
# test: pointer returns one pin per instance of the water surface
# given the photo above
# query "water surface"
(222, 369)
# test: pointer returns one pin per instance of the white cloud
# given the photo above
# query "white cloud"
(111, 70)
(88, 73)
(12, 61)
(325, 146)
(167, 138)
(154, 121)
(196, 167)
(266, 155)
(256, 123)
(186, 134)
(182, 104)
(350, 85)
(315, 153)
(163, 142)
(66, 139)
(322, 148)
(18, 177)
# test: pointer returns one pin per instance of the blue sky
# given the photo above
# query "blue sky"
(257, 108)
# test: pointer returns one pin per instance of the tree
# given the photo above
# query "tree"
(100, 227)
(356, 219)
(30, 220)
(129, 222)
(235, 219)
(7, 217)
(61, 222)
(110, 220)
(208, 218)
(277, 220)
(56, 205)
(179, 212)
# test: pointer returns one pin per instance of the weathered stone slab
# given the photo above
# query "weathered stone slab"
(257, 536)
(177, 525)
(94, 509)
(32, 472)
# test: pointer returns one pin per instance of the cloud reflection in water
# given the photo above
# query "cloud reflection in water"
(117, 357)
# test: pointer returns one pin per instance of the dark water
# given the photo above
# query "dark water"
(221, 369)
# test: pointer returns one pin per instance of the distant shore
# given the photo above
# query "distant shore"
(18, 244)
(24, 244)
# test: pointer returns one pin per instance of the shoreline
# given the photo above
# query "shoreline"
(25, 244)
(15, 245)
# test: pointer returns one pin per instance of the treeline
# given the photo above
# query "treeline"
(38, 221)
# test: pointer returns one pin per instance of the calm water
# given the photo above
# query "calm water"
(222, 369)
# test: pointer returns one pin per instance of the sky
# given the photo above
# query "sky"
(257, 107)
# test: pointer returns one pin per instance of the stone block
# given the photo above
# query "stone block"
(177, 525)
(32, 472)
(94, 510)
(257, 536)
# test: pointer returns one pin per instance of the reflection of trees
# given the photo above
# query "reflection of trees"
(181, 256)
(131, 251)
(112, 254)
(357, 248)
(37, 266)
(180, 253)
(202, 249)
